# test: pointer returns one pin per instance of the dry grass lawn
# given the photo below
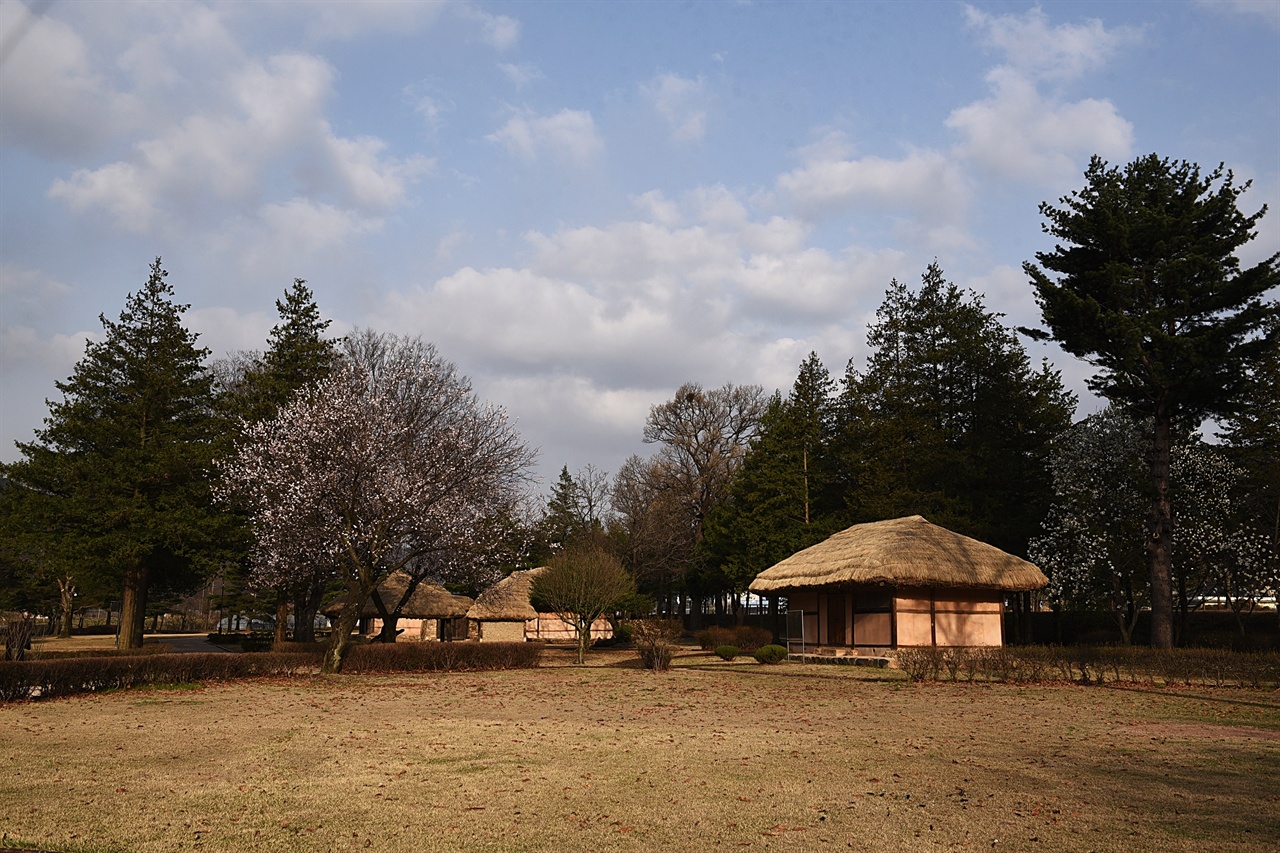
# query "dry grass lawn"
(607, 757)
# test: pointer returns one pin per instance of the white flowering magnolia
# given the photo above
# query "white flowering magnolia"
(1092, 544)
(391, 463)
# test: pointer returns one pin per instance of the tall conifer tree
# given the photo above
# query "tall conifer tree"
(1149, 290)
(120, 475)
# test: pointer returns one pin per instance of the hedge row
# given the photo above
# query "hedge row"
(1094, 665)
(46, 679)
(442, 657)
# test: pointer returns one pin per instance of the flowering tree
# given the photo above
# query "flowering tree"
(1092, 544)
(390, 463)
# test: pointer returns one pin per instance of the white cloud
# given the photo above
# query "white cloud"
(681, 102)
(51, 98)
(925, 185)
(498, 31)
(28, 292)
(224, 158)
(1267, 11)
(1036, 49)
(1018, 133)
(338, 21)
(520, 75)
(569, 136)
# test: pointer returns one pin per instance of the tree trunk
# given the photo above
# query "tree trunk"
(133, 607)
(584, 638)
(1160, 533)
(67, 593)
(305, 605)
(282, 616)
(388, 633)
(340, 639)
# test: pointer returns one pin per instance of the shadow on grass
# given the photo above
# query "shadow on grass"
(1220, 700)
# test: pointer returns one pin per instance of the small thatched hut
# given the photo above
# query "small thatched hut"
(431, 613)
(902, 582)
(504, 612)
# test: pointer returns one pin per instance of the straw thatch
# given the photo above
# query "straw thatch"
(508, 599)
(901, 552)
(429, 601)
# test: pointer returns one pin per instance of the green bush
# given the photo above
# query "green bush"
(771, 654)
(622, 632)
(727, 652)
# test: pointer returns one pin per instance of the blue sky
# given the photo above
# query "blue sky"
(583, 204)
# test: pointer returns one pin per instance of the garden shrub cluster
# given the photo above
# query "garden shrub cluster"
(1094, 665)
(747, 638)
(727, 652)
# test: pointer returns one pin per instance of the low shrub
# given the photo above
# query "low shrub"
(710, 638)
(655, 642)
(920, 664)
(771, 654)
(749, 638)
(727, 652)
(622, 632)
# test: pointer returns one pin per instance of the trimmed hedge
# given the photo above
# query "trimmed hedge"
(442, 657)
(47, 679)
(1094, 665)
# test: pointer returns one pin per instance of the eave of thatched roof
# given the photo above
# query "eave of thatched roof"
(429, 601)
(902, 552)
(508, 599)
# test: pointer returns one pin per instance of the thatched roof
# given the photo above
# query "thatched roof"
(508, 599)
(902, 552)
(429, 601)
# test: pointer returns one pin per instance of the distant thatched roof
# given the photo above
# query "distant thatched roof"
(508, 599)
(903, 552)
(429, 601)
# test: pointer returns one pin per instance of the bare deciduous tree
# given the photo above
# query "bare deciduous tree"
(582, 583)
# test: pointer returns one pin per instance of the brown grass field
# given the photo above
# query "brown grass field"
(609, 757)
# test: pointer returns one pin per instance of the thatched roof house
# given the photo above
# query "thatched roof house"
(431, 613)
(504, 612)
(902, 582)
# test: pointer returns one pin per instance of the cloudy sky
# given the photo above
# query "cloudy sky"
(583, 204)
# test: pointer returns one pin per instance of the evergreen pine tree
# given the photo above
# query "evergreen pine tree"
(949, 420)
(119, 478)
(1149, 289)
(781, 499)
